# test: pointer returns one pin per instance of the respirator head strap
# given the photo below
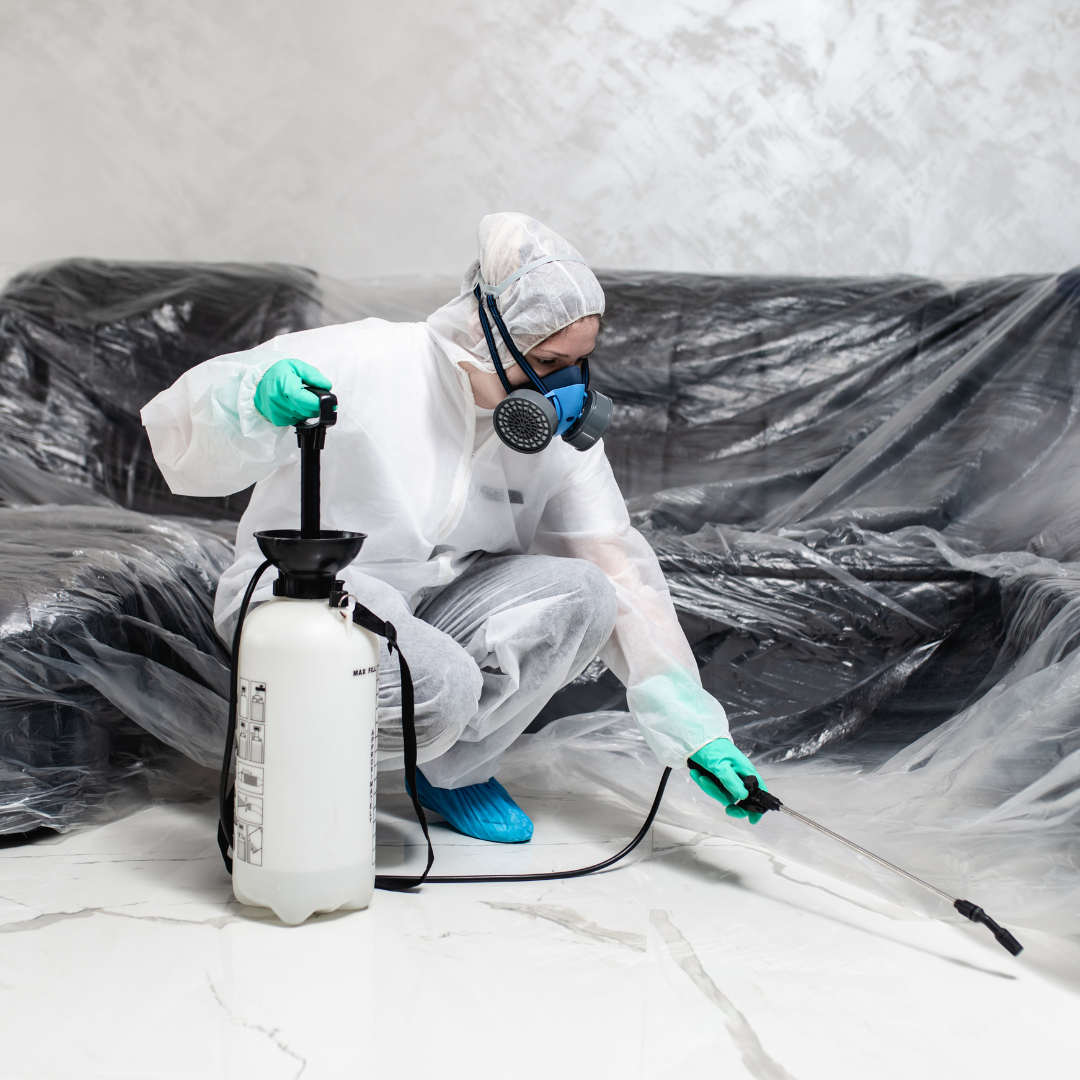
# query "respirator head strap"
(512, 348)
(493, 292)
(486, 327)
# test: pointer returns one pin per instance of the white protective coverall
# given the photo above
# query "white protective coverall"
(415, 464)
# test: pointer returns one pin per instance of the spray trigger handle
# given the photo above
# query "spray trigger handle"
(757, 801)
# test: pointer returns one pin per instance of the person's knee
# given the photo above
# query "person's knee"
(591, 597)
(447, 699)
(447, 688)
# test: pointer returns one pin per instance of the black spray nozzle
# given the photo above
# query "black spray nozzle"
(976, 914)
(757, 801)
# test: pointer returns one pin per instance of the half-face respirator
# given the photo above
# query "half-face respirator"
(528, 418)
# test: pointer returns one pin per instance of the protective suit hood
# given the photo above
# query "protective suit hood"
(541, 302)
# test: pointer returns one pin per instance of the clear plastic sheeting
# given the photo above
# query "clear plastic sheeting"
(953, 808)
(855, 642)
(865, 497)
(109, 662)
(863, 493)
(112, 680)
(404, 298)
(770, 403)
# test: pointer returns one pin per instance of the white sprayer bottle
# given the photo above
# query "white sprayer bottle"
(303, 836)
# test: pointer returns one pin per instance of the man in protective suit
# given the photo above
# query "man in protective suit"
(505, 572)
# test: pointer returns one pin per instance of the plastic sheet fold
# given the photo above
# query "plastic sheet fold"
(108, 659)
(85, 343)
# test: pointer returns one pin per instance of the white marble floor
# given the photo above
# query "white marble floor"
(125, 956)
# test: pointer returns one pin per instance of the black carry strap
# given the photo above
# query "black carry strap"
(372, 623)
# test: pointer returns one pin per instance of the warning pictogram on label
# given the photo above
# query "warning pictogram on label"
(251, 741)
(258, 702)
(249, 808)
(249, 778)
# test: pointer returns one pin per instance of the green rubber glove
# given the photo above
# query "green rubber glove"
(727, 763)
(280, 396)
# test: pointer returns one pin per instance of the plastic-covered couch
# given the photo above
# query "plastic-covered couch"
(865, 494)
(112, 678)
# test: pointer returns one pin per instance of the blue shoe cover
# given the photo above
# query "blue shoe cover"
(485, 811)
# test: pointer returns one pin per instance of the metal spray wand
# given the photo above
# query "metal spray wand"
(759, 801)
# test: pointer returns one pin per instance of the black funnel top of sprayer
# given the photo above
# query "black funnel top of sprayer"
(309, 558)
(307, 566)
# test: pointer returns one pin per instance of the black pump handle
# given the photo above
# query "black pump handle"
(327, 409)
(758, 801)
(310, 435)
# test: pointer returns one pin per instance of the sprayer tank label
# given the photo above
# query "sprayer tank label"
(374, 765)
(250, 777)
(251, 701)
(251, 741)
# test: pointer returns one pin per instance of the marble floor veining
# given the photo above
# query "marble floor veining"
(124, 956)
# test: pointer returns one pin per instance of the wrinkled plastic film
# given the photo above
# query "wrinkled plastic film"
(85, 343)
(112, 680)
(108, 659)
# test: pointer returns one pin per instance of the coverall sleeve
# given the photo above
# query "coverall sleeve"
(647, 651)
(206, 434)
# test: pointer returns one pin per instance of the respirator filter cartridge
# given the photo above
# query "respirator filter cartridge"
(526, 421)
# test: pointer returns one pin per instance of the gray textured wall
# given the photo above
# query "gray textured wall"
(360, 137)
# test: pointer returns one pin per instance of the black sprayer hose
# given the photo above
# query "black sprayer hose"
(559, 875)
(398, 883)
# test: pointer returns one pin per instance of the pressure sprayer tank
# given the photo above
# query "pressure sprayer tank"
(306, 737)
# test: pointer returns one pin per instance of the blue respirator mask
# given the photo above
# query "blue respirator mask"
(528, 418)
